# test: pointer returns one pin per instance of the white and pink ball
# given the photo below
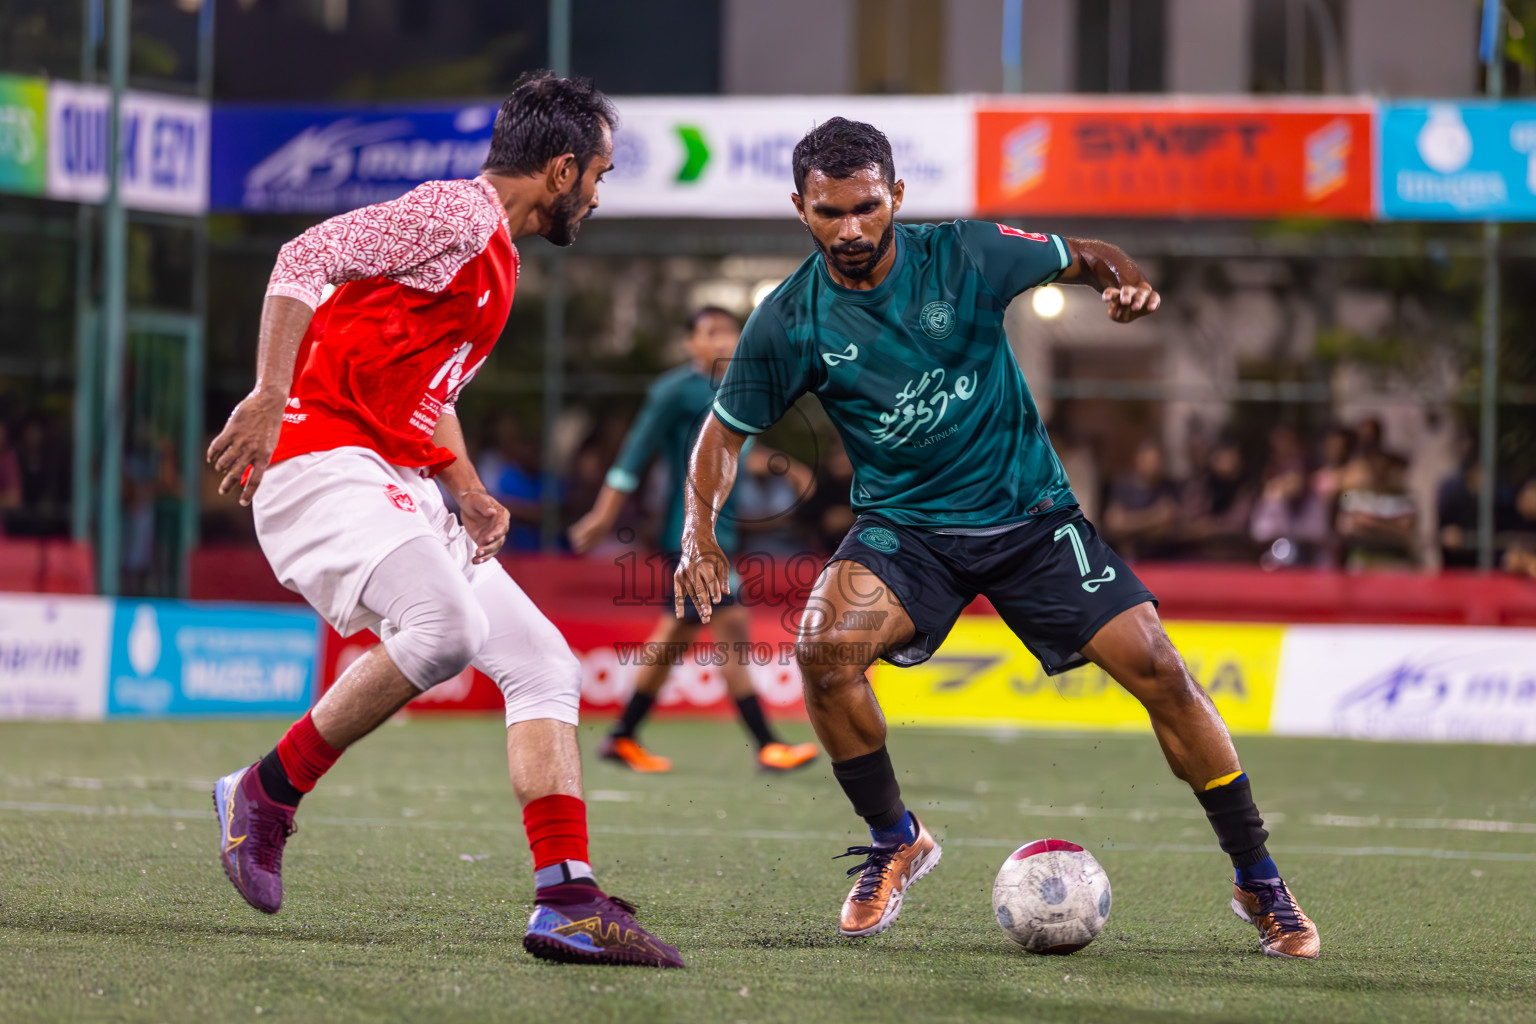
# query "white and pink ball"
(1051, 896)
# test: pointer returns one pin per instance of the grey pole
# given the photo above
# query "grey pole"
(554, 315)
(1013, 45)
(1488, 433)
(87, 323)
(114, 309)
(196, 341)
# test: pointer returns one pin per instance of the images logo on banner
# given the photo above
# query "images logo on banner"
(1244, 159)
(53, 656)
(1467, 161)
(1399, 683)
(164, 145)
(176, 658)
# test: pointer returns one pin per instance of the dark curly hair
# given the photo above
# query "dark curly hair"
(841, 148)
(546, 116)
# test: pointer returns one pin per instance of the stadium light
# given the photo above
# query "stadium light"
(763, 289)
(1048, 302)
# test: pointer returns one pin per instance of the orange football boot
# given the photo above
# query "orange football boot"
(884, 877)
(627, 752)
(782, 757)
(1284, 931)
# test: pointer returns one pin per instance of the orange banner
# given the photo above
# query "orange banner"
(1173, 160)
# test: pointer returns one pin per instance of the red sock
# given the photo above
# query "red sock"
(557, 830)
(305, 754)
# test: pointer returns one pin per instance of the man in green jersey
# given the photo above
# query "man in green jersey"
(676, 404)
(898, 330)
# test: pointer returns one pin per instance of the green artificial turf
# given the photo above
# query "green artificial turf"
(409, 883)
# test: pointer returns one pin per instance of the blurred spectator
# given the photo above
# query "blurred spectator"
(1456, 512)
(509, 467)
(44, 470)
(826, 514)
(1218, 501)
(1359, 471)
(1142, 513)
(1377, 520)
(1291, 519)
(1328, 478)
(1520, 555)
(10, 477)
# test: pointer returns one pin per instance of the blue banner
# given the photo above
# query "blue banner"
(175, 658)
(1458, 161)
(307, 159)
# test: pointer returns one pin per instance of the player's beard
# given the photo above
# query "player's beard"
(857, 260)
(566, 216)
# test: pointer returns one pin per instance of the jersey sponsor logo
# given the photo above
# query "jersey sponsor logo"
(1033, 236)
(920, 408)
(484, 298)
(400, 498)
(937, 319)
(879, 538)
(847, 355)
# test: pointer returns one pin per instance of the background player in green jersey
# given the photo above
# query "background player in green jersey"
(675, 406)
(899, 331)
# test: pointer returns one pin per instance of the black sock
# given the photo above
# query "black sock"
(1235, 819)
(870, 782)
(634, 713)
(275, 781)
(751, 711)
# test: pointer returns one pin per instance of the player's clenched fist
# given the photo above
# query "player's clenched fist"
(244, 447)
(486, 521)
(1131, 301)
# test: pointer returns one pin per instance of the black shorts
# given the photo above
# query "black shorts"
(1051, 579)
(690, 613)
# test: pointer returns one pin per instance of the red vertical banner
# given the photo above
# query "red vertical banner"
(1118, 159)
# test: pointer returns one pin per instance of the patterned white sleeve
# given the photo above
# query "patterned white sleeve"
(421, 240)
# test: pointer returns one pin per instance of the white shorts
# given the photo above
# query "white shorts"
(326, 519)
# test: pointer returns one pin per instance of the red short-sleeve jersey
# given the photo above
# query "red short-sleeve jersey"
(424, 285)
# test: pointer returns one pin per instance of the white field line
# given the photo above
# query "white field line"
(772, 835)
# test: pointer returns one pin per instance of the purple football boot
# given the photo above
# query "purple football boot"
(578, 924)
(254, 828)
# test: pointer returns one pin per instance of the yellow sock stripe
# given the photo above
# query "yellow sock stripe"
(1216, 783)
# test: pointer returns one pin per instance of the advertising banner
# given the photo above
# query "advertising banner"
(53, 656)
(23, 135)
(1408, 683)
(325, 159)
(175, 658)
(983, 676)
(730, 156)
(164, 145)
(1458, 161)
(1174, 159)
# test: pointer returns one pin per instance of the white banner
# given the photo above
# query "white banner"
(730, 156)
(53, 656)
(1408, 683)
(164, 145)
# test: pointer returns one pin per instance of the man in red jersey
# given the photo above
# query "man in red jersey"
(337, 461)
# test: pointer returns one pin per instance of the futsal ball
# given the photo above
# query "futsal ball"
(1051, 896)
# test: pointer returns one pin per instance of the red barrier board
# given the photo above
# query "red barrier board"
(1175, 159)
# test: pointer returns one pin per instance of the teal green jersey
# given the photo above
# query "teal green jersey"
(916, 375)
(669, 421)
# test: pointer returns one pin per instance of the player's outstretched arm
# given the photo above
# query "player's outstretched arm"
(245, 445)
(1106, 267)
(703, 573)
(594, 526)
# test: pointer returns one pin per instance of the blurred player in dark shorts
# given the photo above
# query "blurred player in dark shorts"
(675, 406)
(898, 330)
